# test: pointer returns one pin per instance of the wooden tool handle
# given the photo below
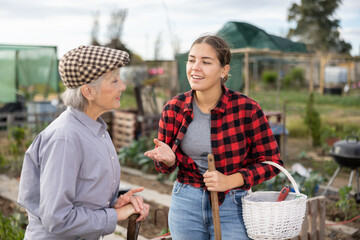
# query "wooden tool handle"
(133, 227)
(214, 201)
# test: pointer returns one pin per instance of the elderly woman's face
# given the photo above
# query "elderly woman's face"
(108, 95)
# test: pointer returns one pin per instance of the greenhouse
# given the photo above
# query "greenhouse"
(27, 70)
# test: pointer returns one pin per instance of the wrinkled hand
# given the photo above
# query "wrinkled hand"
(126, 211)
(136, 201)
(162, 153)
(217, 182)
(144, 212)
(128, 204)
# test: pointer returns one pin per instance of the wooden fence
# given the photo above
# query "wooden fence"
(127, 126)
(123, 128)
(21, 119)
(313, 227)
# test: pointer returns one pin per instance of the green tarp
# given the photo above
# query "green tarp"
(241, 35)
(245, 35)
(27, 70)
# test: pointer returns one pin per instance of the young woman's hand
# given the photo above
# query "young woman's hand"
(162, 153)
(217, 182)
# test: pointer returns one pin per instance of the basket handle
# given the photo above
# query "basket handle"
(287, 174)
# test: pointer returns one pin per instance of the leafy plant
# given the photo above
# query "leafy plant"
(313, 121)
(12, 153)
(295, 78)
(133, 156)
(346, 204)
(269, 77)
(11, 228)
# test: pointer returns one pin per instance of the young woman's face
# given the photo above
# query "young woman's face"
(203, 68)
(109, 92)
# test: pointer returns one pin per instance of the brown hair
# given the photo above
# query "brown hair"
(221, 48)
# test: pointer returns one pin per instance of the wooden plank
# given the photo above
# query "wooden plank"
(8, 120)
(126, 131)
(304, 229)
(322, 217)
(124, 115)
(123, 122)
(313, 213)
(123, 128)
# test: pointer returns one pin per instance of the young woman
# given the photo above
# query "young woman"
(212, 119)
(71, 174)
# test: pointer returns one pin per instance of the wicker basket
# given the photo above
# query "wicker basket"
(265, 218)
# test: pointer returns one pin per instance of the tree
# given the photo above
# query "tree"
(317, 26)
(115, 30)
(157, 48)
(95, 30)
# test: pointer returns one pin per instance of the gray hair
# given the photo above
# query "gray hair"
(74, 98)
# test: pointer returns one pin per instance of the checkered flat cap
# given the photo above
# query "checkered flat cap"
(85, 64)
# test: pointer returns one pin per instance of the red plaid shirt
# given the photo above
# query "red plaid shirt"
(241, 139)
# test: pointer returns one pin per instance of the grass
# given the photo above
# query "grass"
(340, 113)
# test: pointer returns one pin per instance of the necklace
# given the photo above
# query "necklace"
(206, 109)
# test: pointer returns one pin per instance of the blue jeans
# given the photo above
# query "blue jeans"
(190, 215)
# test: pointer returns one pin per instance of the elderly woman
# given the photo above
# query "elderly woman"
(71, 175)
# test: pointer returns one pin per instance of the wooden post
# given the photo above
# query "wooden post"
(246, 74)
(314, 222)
(214, 201)
(311, 79)
(323, 61)
(282, 139)
(133, 227)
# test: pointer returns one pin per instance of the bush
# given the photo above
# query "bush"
(10, 228)
(313, 121)
(269, 77)
(12, 153)
(295, 78)
(133, 155)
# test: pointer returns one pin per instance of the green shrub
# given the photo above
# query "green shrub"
(269, 77)
(133, 155)
(295, 78)
(10, 228)
(313, 121)
(346, 204)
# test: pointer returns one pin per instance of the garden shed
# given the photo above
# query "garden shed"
(242, 38)
(26, 70)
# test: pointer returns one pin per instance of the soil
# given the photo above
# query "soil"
(7, 207)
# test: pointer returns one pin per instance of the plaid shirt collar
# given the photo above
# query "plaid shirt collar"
(220, 106)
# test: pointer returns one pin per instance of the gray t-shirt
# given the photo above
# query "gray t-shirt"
(196, 142)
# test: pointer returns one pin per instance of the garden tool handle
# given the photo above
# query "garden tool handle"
(283, 194)
(133, 227)
(214, 200)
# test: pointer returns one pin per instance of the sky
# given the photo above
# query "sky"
(68, 23)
